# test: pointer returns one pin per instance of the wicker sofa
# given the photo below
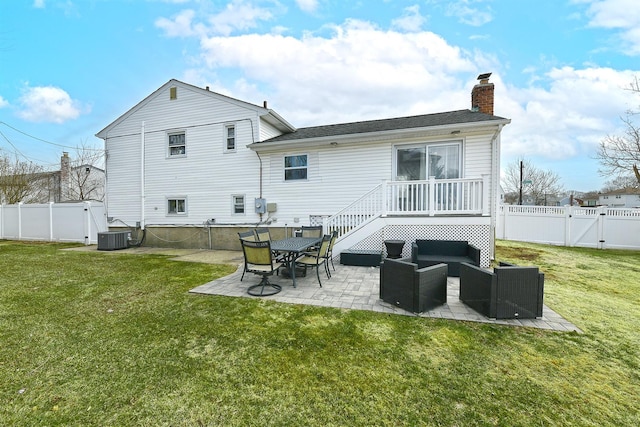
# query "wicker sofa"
(450, 252)
(507, 292)
(406, 286)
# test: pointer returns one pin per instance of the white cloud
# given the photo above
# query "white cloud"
(469, 14)
(3, 102)
(570, 117)
(359, 71)
(309, 6)
(411, 20)
(179, 26)
(38, 4)
(48, 104)
(238, 15)
(622, 15)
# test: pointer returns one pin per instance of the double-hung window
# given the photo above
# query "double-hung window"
(238, 204)
(177, 206)
(295, 167)
(230, 138)
(177, 144)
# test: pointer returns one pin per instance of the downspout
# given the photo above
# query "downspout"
(142, 194)
(495, 173)
(260, 178)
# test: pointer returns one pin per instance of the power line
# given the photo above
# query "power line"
(44, 140)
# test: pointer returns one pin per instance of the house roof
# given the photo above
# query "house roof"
(267, 114)
(449, 118)
(623, 191)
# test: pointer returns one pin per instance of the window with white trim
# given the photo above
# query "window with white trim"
(177, 206)
(230, 138)
(238, 204)
(295, 167)
(177, 144)
(419, 162)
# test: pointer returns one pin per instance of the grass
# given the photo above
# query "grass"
(95, 339)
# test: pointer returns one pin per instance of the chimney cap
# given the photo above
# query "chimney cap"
(484, 78)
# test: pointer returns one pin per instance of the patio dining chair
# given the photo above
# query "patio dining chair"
(311, 231)
(315, 259)
(248, 236)
(258, 259)
(329, 256)
(263, 234)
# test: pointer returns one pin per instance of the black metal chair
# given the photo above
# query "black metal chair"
(258, 259)
(315, 259)
(507, 292)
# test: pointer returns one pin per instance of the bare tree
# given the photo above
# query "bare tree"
(81, 177)
(620, 154)
(19, 180)
(536, 184)
(620, 182)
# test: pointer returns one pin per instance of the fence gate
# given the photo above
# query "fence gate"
(600, 227)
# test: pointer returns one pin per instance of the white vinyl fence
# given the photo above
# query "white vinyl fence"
(53, 222)
(600, 227)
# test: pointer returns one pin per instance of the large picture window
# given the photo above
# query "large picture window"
(419, 162)
(177, 144)
(295, 167)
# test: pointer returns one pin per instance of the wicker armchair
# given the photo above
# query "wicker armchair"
(404, 285)
(507, 292)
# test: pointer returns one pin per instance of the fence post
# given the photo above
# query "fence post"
(87, 223)
(602, 217)
(19, 220)
(51, 221)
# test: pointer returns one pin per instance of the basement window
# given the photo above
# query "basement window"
(238, 204)
(177, 206)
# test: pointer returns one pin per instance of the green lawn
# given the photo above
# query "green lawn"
(108, 339)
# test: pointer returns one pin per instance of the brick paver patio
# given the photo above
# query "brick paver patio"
(357, 288)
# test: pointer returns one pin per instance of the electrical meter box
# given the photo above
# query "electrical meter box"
(261, 206)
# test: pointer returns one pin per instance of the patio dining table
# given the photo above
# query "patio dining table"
(294, 246)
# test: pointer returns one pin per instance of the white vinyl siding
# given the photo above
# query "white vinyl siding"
(204, 176)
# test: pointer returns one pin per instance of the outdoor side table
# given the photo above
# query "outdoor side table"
(394, 248)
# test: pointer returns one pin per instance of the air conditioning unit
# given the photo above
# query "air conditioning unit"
(113, 240)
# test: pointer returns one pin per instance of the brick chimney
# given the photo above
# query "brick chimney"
(482, 95)
(65, 176)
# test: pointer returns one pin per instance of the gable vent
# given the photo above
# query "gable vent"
(173, 93)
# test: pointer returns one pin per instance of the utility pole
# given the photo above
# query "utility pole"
(520, 198)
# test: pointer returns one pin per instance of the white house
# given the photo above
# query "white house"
(192, 168)
(623, 198)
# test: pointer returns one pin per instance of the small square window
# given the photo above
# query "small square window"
(230, 137)
(177, 144)
(295, 167)
(238, 205)
(177, 206)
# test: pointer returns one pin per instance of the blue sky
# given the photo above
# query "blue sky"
(69, 68)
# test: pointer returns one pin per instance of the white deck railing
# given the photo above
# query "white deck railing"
(466, 196)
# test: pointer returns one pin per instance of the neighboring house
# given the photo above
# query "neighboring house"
(623, 198)
(70, 183)
(193, 167)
